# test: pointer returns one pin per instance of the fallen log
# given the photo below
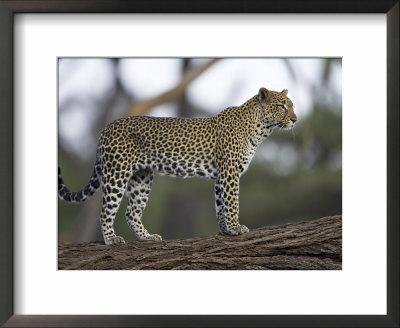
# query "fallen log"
(311, 245)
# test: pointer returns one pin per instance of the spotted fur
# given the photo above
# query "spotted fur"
(131, 149)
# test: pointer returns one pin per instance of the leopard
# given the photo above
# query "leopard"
(131, 149)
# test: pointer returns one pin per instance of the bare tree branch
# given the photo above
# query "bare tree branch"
(141, 107)
(312, 245)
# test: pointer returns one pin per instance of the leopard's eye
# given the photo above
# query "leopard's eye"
(283, 106)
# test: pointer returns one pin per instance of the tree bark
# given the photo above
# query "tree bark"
(311, 245)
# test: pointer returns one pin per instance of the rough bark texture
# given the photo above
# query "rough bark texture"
(312, 245)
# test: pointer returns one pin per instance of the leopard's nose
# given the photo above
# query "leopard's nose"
(293, 119)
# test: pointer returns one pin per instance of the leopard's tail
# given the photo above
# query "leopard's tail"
(80, 196)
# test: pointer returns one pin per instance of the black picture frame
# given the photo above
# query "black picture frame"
(8, 200)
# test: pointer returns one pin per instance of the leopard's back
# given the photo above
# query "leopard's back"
(181, 147)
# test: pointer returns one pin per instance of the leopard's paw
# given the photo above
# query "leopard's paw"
(238, 230)
(242, 229)
(114, 240)
(154, 237)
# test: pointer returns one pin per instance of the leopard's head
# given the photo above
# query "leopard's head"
(277, 108)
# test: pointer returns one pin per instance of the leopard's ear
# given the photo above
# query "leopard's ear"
(263, 96)
(284, 91)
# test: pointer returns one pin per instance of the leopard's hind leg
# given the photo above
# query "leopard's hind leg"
(137, 193)
(113, 186)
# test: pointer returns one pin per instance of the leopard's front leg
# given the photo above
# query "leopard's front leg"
(227, 204)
